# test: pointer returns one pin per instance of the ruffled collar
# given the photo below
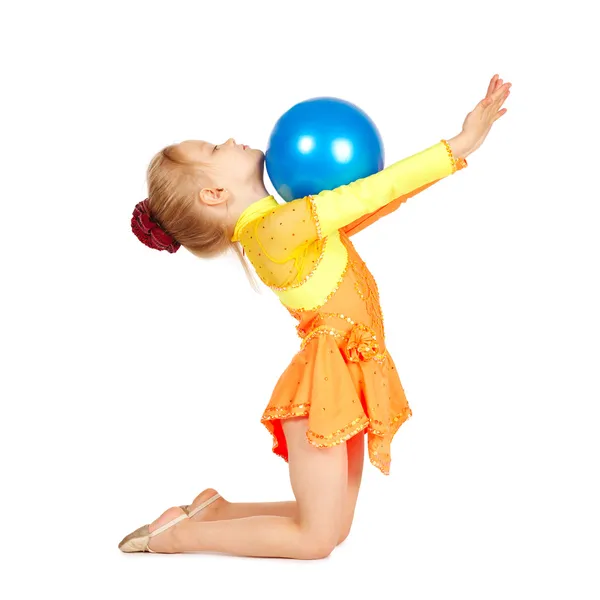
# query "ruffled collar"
(253, 212)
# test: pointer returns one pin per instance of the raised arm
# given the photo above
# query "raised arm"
(405, 179)
(335, 209)
(290, 227)
(366, 220)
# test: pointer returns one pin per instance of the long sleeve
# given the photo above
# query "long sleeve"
(354, 206)
(367, 220)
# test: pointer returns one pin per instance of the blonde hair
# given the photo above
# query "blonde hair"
(173, 186)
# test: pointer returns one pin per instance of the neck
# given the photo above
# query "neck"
(249, 197)
(256, 193)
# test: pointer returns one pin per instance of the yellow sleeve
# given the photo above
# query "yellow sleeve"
(287, 230)
(367, 220)
(282, 243)
(335, 209)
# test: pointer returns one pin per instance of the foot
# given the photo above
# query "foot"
(212, 511)
(165, 542)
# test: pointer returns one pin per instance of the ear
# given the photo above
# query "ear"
(213, 196)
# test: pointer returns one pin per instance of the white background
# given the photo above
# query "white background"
(133, 379)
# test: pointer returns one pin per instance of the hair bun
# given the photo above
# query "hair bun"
(149, 232)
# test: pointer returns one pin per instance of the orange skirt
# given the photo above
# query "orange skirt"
(341, 399)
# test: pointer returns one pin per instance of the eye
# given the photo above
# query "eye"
(216, 148)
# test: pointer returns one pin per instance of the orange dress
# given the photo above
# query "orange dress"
(343, 377)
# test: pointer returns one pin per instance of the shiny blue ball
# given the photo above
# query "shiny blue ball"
(320, 144)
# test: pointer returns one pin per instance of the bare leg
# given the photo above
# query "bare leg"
(319, 478)
(222, 510)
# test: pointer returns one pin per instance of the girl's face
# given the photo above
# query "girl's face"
(229, 165)
(231, 175)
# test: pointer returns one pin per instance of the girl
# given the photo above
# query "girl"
(342, 386)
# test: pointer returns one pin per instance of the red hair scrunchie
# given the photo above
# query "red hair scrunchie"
(149, 232)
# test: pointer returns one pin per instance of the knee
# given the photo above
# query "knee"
(344, 535)
(346, 527)
(318, 545)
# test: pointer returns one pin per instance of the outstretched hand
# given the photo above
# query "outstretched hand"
(479, 121)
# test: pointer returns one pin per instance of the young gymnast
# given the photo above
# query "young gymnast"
(342, 386)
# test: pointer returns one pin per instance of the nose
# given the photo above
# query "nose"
(231, 140)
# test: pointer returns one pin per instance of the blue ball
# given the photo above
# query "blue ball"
(320, 144)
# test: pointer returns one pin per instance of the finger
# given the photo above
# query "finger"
(495, 100)
(493, 110)
(500, 114)
(501, 100)
(492, 85)
(493, 113)
(499, 94)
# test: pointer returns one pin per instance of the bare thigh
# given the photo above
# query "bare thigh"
(319, 478)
